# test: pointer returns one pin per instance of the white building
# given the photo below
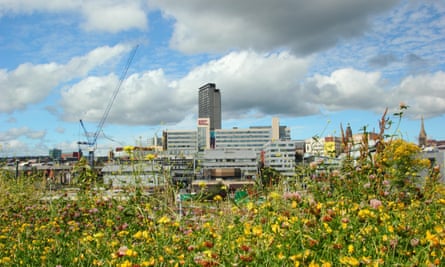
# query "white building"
(244, 159)
(251, 138)
(437, 158)
(180, 142)
(280, 155)
(314, 147)
(146, 174)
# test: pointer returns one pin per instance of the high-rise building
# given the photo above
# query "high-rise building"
(210, 105)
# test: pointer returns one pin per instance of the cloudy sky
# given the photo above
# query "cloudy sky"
(314, 64)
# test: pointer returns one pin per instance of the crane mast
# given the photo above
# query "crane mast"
(92, 139)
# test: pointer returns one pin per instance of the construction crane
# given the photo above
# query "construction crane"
(92, 138)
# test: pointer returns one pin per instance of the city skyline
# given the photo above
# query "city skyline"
(315, 65)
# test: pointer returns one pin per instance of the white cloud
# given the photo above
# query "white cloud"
(302, 26)
(346, 89)
(30, 83)
(14, 133)
(265, 83)
(251, 84)
(99, 15)
(145, 98)
(423, 93)
(114, 16)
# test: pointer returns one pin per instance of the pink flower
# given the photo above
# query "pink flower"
(375, 203)
(93, 210)
(292, 196)
(122, 251)
(393, 243)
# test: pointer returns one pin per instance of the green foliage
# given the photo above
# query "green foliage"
(269, 177)
(85, 176)
(354, 216)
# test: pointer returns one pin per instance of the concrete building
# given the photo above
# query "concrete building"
(55, 154)
(210, 105)
(244, 159)
(251, 138)
(314, 147)
(142, 174)
(437, 158)
(204, 140)
(189, 142)
(180, 142)
(280, 155)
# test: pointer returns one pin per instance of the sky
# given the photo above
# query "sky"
(315, 65)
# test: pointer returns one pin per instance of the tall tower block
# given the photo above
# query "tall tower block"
(210, 105)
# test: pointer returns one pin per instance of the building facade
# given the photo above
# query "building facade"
(254, 137)
(210, 105)
(280, 155)
(245, 160)
(180, 142)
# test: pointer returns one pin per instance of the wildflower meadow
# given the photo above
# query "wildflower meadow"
(385, 208)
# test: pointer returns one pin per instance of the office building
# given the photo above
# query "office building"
(180, 142)
(245, 160)
(251, 138)
(210, 105)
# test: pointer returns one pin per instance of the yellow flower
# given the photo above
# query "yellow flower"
(97, 262)
(164, 220)
(150, 262)
(150, 157)
(98, 235)
(126, 263)
(313, 264)
(217, 198)
(257, 230)
(274, 195)
(351, 249)
(275, 227)
(350, 261)
(5, 260)
(326, 264)
(109, 222)
(431, 238)
(131, 253)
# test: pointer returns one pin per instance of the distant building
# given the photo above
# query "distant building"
(147, 175)
(204, 134)
(423, 138)
(254, 137)
(55, 154)
(210, 105)
(314, 147)
(246, 160)
(281, 155)
(189, 142)
(180, 142)
(437, 158)
(332, 146)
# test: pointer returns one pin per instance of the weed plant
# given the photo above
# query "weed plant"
(374, 211)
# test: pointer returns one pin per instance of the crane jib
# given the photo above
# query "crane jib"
(92, 139)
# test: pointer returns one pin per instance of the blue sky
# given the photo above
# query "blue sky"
(314, 64)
